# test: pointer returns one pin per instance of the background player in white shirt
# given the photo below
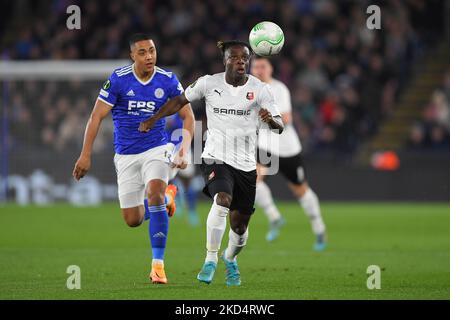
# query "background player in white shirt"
(237, 105)
(288, 148)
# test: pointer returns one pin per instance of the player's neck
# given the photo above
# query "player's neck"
(236, 81)
(143, 75)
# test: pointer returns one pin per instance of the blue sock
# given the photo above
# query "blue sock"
(158, 228)
(320, 238)
(191, 196)
(147, 211)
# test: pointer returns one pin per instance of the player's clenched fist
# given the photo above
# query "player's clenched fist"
(180, 160)
(265, 115)
(146, 125)
(82, 166)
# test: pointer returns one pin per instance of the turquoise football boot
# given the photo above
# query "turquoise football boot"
(233, 276)
(193, 219)
(320, 244)
(274, 230)
(206, 275)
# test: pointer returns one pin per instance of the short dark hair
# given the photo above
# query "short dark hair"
(139, 37)
(224, 45)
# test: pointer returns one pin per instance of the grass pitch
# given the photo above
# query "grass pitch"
(410, 243)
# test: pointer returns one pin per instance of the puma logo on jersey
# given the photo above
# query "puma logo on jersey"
(236, 112)
(218, 92)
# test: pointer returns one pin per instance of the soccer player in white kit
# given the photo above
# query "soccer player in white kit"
(237, 106)
(288, 148)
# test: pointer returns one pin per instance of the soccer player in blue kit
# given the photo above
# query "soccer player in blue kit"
(142, 160)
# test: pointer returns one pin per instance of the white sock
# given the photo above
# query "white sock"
(235, 244)
(215, 228)
(265, 201)
(310, 203)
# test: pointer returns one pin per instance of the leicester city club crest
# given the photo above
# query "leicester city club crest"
(159, 93)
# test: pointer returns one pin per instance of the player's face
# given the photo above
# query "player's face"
(237, 60)
(262, 69)
(143, 53)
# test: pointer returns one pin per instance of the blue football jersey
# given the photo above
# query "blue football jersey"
(134, 101)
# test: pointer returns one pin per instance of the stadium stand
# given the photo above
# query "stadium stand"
(344, 78)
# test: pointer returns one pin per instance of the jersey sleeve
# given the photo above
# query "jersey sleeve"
(267, 100)
(176, 87)
(110, 90)
(196, 90)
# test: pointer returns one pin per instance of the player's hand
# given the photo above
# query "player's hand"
(82, 166)
(180, 160)
(265, 115)
(146, 125)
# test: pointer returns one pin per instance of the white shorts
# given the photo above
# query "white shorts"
(134, 171)
(188, 172)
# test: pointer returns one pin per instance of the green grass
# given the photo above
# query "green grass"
(410, 242)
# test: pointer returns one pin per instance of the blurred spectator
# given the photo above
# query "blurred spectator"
(416, 136)
(343, 77)
(433, 131)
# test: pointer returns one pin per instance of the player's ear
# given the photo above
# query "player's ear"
(224, 57)
(132, 46)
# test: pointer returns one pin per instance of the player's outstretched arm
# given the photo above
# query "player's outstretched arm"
(187, 115)
(170, 107)
(274, 123)
(83, 164)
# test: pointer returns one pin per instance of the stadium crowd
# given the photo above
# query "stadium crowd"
(432, 132)
(344, 78)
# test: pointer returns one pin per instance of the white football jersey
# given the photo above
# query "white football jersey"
(286, 144)
(233, 120)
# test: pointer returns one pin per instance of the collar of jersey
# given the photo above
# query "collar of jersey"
(140, 81)
(234, 90)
